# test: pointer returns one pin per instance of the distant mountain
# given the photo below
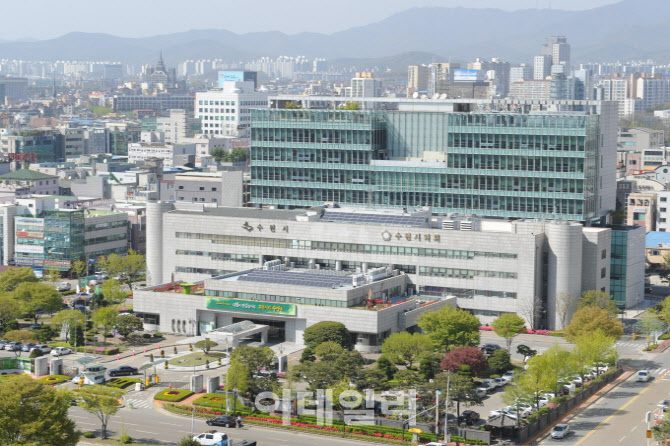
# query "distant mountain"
(631, 29)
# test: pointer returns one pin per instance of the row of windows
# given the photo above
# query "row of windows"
(216, 110)
(478, 312)
(524, 163)
(518, 142)
(343, 247)
(457, 273)
(212, 272)
(245, 258)
(109, 238)
(465, 293)
(216, 103)
(217, 118)
(105, 252)
(108, 225)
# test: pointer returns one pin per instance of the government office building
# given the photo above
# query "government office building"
(493, 158)
(488, 267)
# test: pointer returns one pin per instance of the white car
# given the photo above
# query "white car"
(560, 431)
(509, 411)
(213, 438)
(500, 382)
(600, 370)
(60, 351)
(643, 376)
(508, 376)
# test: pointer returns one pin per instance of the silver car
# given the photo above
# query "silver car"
(560, 431)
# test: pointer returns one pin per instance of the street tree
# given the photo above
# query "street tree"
(451, 327)
(531, 310)
(128, 267)
(508, 326)
(470, 356)
(406, 349)
(535, 380)
(386, 366)
(256, 360)
(430, 366)
(408, 379)
(374, 379)
(327, 331)
(237, 378)
(33, 413)
(37, 298)
(650, 323)
(317, 374)
(79, 268)
(587, 320)
(112, 292)
(205, 345)
(106, 318)
(11, 278)
(10, 309)
(101, 401)
(126, 325)
(557, 364)
(598, 299)
(661, 431)
(68, 319)
(525, 351)
(51, 275)
(499, 361)
(597, 348)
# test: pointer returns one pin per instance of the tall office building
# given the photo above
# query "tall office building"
(418, 77)
(541, 67)
(502, 158)
(364, 85)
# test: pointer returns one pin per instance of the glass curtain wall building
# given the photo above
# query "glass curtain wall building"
(531, 162)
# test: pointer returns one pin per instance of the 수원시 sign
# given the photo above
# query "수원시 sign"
(252, 306)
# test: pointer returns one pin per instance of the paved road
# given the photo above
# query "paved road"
(158, 427)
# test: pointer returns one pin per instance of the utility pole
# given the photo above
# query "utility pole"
(437, 414)
(447, 437)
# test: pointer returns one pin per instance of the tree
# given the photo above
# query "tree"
(37, 298)
(255, 360)
(10, 309)
(101, 401)
(237, 378)
(32, 413)
(470, 356)
(105, 317)
(128, 267)
(598, 299)
(205, 345)
(531, 310)
(235, 155)
(318, 374)
(618, 216)
(387, 367)
(79, 268)
(406, 349)
(326, 331)
(525, 351)
(430, 366)
(328, 351)
(661, 431)
(588, 319)
(35, 353)
(112, 292)
(76, 336)
(408, 378)
(350, 106)
(499, 361)
(45, 334)
(374, 379)
(451, 327)
(11, 278)
(20, 336)
(534, 381)
(290, 105)
(565, 303)
(557, 363)
(126, 325)
(307, 355)
(651, 323)
(461, 390)
(595, 349)
(51, 275)
(507, 326)
(664, 274)
(68, 319)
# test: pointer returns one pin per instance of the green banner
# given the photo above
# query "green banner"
(252, 306)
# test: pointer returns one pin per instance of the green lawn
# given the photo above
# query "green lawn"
(122, 383)
(55, 379)
(194, 359)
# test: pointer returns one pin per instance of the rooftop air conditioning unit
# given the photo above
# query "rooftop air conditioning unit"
(466, 225)
(449, 225)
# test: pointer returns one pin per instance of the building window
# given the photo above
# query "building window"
(213, 189)
(180, 187)
(602, 289)
(202, 188)
(663, 209)
(664, 199)
(603, 254)
(603, 273)
(655, 252)
(213, 200)
(662, 220)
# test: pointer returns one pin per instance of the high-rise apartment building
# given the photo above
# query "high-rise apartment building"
(418, 78)
(364, 85)
(503, 158)
(541, 67)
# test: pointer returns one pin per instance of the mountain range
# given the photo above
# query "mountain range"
(630, 29)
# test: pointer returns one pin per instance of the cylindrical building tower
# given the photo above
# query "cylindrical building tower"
(155, 211)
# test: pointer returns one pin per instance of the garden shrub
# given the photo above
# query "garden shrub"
(173, 395)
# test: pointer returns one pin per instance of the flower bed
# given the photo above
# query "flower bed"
(122, 383)
(529, 331)
(383, 434)
(172, 395)
(54, 379)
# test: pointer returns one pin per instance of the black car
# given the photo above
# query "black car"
(488, 349)
(468, 417)
(223, 420)
(123, 370)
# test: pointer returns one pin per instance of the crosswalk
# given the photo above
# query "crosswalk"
(636, 344)
(138, 403)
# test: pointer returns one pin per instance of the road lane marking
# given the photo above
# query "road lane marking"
(622, 439)
(633, 429)
(606, 420)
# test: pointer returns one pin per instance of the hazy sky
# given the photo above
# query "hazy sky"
(43, 19)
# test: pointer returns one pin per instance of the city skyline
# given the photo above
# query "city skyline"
(291, 19)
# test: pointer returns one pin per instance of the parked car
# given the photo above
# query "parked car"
(560, 431)
(490, 382)
(64, 286)
(101, 275)
(36, 326)
(2, 344)
(468, 417)
(27, 346)
(60, 351)
(643, 376)
(481, 392)
(212, 438)
(486, 387)
(505, 411)
(13, 346)
(123, 370)
(119, 277)
(44, 347)
(488, 349)
(223, 420)
(600, 370)
(500, 382)
(508, 376)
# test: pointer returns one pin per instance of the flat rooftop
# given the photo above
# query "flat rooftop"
(311, 278)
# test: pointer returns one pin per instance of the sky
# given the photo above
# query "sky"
(46, 19)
